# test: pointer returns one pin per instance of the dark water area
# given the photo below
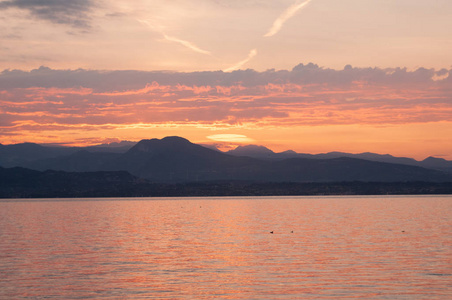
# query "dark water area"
(373, 247)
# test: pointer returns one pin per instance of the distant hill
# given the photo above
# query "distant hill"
(116, 147)
(31, 155)
(175, 159)
(26, 183)
(21, 154)
(80, 161)
(262, 152)
(255, 151)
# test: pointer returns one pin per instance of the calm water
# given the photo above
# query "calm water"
(205, 248)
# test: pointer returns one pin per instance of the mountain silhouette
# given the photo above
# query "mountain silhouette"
(26, 183)
(262, 152)
(175, 159)
(21, 154)
(79, 161)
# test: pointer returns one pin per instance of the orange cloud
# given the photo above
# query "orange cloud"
(306, 96)
(283, 104)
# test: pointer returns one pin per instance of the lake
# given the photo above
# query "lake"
(365, 247)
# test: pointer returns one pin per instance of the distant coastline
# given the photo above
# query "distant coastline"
(25, 183)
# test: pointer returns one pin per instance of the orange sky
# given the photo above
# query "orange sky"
(393, 96)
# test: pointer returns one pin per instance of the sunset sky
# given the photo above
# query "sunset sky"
(312, 76)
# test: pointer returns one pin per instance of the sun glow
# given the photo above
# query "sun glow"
(233, 138)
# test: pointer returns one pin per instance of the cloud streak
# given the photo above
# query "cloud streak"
(285, 16)
(185, 43)
(238, 65)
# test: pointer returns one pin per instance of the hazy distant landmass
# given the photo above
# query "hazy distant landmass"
(262, 152)
(175, 166)
(25, 183)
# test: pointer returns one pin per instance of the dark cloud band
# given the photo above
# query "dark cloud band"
(101, 81)
(74, 12)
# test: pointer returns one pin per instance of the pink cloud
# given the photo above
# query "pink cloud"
(307, 95)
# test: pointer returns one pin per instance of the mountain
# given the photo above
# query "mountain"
(35, 155)
(21, 154)
(262, 152)
(437, 163)
(351, 169)
(175, 159)
(80, 161)
(253, 151)
(115, 147)
(25, 183)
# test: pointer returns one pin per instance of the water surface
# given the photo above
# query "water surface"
(210, 248)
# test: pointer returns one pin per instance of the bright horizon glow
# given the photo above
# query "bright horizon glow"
(234, 138)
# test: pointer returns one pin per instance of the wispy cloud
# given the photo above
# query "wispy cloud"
(277, 25)
(184, 43)
(286, 15)
(241, 63)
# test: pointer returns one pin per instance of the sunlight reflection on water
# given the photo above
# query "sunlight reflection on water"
(321, 248)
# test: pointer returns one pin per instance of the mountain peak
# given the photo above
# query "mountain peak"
(289, 152)
(250, 150)
(161, 145)
(115, 144)
(435, 162)
(175, 139)
(432, 158)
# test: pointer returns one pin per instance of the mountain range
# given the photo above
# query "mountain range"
(262, 152)
(175, 159)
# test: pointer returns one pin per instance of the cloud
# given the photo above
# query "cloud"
(286, 15)
(74, 12)
(301, 74)
(184, 43)
(240, 4)
(238, 65)
(307, 95)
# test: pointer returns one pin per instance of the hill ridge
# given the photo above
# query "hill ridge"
(176, 159)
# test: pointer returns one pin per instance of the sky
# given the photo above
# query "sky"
(313, 76)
